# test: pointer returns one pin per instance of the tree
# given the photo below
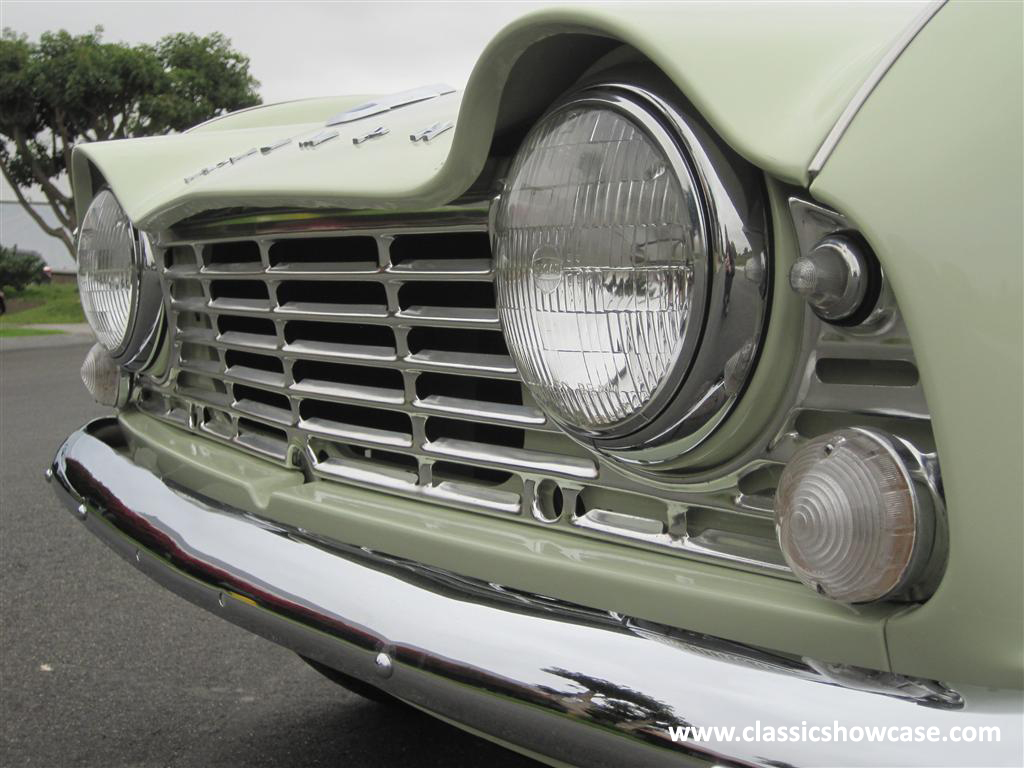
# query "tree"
(68, 89)
(18, 269)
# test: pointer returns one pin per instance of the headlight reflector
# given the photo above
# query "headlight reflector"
(108, 271)
(849, 519)
(601, 267)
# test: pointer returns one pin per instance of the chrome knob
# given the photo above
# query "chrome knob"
(832, 278)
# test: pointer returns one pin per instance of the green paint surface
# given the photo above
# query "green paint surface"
(931, 172)
(770, 78)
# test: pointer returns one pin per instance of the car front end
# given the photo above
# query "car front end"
(650, 383)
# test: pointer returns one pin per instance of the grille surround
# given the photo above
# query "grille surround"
(227, 341)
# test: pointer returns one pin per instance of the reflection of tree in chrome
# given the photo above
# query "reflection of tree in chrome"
(615, 705)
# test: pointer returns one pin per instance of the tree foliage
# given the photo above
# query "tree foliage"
(68, 89)
(19, 269)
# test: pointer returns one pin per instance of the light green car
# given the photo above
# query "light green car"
(669, 378)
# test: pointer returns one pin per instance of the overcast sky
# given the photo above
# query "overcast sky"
(301, 49)
(296, 49)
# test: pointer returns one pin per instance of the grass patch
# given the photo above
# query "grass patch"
(7, 331)
(48, 303)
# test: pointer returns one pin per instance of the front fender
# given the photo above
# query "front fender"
(770, 79)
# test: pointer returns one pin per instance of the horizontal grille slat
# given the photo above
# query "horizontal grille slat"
(501, 413)
(262, 410)
(447, 268)
(369, 435)
(385, 477)
(454, 317)
(228, 271)
(259, 438)
(240, 305)
(317, 311)
(500, 501)
(348, 392)
(255, 376)
(439, 360)
(463, 494)
(325, 349)
(243, 340)
(440, 317)
(487, 455)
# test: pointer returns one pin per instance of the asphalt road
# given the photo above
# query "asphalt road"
(101, 667)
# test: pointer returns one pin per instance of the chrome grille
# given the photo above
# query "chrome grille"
(369, 351)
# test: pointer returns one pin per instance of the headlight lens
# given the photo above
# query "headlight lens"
(108, 275)
(601, 267)
(849, 520)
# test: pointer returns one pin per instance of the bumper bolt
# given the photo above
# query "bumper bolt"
(384, 665)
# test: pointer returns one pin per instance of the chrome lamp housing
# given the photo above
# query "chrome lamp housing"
(118, 283)
(632, 272)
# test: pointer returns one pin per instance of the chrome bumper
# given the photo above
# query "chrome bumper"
(559, 681)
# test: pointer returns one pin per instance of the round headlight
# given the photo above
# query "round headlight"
(602, 267)
(613, 272)
(108, 271)
(849, 519)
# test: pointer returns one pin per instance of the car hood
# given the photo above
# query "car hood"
(771, 79)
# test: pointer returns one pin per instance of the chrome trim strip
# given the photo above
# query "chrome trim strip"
(431, 132)
(868, 86)
(243, 156)
(233, 226)
(377, 132)
(266, 149)
(317, 139)
(588, 688)
(387, 103)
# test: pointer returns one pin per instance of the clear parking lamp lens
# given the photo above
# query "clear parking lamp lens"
(599, 251)
(848, 518)
(108, 279)
(102, 377)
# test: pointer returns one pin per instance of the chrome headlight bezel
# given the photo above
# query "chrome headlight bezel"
(719, 351)
(144, 321)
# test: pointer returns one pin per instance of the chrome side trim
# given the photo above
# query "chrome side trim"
(869, 85)
(387, 103)
(431, 132)
(377, 132)
(317, 139)
(588, 687)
